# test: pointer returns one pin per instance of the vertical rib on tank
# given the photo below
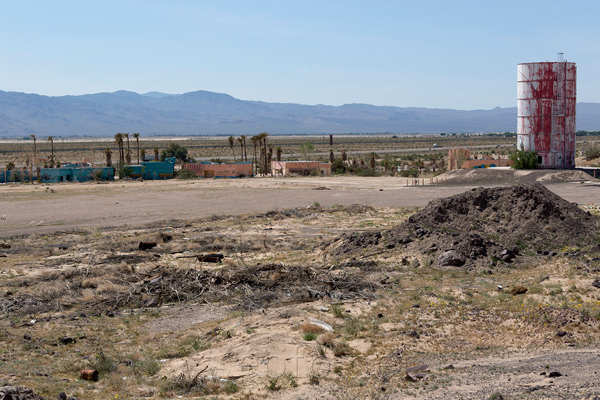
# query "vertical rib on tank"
(546, 100)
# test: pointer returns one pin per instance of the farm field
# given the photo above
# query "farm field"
(302, 256)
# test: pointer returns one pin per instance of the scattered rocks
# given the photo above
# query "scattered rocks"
(596, 283)
(18, 393)
(506, 255)
(451, 258)
(554, 374)
(518, 290)
(146, 245)
(418, 368)
(68, 340)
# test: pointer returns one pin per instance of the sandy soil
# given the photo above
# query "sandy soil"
(46, 208)
(489, 351)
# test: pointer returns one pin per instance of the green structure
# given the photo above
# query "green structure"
(65, 174)
(152, 170)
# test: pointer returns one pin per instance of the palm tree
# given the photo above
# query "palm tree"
(119, 142)
(108, 153)
(231, 140)
(137, 142)
(331, 156)
(245, 153)
(278, 153)
(51, 140)
(127, 136)
(241, 148)
(372, 160)
(143, 154)
(263, 138)
(128, 156)
(34, 148)
(156, 154)
(269, 157)
(255, 141)
(10, 166)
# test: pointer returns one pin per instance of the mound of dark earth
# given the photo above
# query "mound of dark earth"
(484, 226)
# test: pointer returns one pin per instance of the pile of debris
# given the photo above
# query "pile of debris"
(248, 287)
(483, 226)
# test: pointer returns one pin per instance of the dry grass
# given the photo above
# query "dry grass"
(413, 315)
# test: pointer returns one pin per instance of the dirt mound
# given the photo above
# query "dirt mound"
(506, 176)
(485, 225)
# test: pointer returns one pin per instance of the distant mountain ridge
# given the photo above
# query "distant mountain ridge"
(209, 113)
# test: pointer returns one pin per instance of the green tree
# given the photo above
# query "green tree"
(307, 149)
(175, 150)
(524, 159)
(338, 166)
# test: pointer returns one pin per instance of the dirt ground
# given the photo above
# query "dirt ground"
(48, 208)
(280, 317)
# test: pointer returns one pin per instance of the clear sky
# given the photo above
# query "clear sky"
(437, 54)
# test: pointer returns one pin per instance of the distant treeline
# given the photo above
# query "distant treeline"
(588, 133)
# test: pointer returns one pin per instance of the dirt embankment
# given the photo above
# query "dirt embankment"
(484, 226)
(507, 176)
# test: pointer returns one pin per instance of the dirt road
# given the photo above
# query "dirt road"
(35, 208)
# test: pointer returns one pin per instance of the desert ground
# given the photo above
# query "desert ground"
(329, 288)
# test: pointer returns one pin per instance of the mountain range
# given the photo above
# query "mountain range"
(209, 113)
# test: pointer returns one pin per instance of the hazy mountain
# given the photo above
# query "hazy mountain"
(208, 113)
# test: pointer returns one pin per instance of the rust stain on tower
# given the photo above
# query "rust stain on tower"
(546, 100)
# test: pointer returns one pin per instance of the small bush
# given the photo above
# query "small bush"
(312, 328)
(524, 159)
(186, 174)
(368, 172)
(309, 336)
(338, 310)
(592, 152)
(273, 385)
(104, 364)
(338, 166)
(327, 340)
(409, 173)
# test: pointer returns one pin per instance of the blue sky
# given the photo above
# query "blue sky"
(437, 54)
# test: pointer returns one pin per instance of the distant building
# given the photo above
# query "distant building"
(300, 167)
(208, 169)
(152, 170)
(461, 159)
(64, 174)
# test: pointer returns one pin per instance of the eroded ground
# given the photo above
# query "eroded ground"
(160, 324)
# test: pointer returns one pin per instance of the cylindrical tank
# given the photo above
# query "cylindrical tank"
(546, 101)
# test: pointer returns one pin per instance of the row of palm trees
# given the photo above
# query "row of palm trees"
(52, 159)
(125, 155)
(263, 154)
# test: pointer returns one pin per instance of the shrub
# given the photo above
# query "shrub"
(186, 174)
(592, 152)
(175, 150)
(524, 159)
(338, 166)
(409, 173)
(368, 172)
